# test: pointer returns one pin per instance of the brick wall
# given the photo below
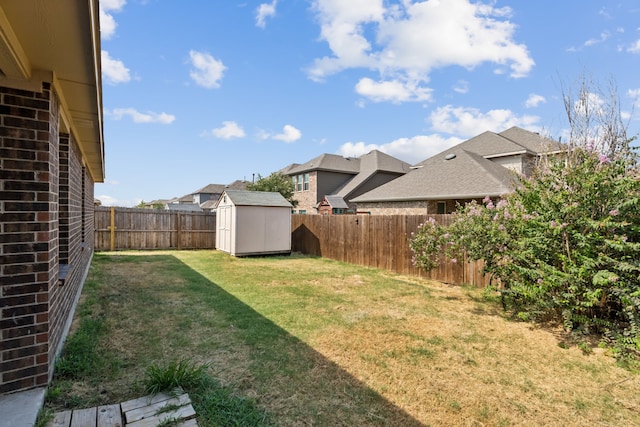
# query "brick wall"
(34, 309)
(416, 207)
(308, 199)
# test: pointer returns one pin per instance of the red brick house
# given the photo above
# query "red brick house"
(51, 154)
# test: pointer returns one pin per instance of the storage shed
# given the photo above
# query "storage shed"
(253, 223)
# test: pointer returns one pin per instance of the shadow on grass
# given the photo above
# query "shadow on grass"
(296, 384)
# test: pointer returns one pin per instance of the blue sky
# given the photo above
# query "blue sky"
(209, 91)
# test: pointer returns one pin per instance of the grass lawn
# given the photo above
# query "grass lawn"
(309, 341)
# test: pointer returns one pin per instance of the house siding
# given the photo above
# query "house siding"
(43, 218)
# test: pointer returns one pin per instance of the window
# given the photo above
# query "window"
(442, 208)
(301, 182)
(302, 211)
(338, 211)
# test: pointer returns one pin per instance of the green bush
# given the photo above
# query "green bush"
(565, 245)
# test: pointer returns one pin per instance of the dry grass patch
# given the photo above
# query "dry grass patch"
(318, 342)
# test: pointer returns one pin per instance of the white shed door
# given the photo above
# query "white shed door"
(225, 228)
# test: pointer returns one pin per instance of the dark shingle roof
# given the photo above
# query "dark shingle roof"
(470, 174)
(465, 176)
(532, 141)
(328, 162)
(371, 163)
(210, 189)
(238, 184)
(256, 198)
(336, 202)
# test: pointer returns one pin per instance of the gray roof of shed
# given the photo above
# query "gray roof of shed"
(257, 198)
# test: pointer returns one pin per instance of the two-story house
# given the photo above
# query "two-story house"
(486, 165)
(325, 184)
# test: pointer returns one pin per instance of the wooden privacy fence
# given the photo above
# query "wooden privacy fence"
(380, 241)
(130, 228)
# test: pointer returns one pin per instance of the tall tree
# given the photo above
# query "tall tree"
(276, 182)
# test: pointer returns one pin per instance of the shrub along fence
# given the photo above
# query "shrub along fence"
(131, 228)
(380, 241)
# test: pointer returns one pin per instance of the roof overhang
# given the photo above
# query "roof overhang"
(58, 42)
(435, 197)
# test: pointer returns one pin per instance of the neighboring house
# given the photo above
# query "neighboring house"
(485, 165)
(206, 197)
(342, 178)
(51, 154)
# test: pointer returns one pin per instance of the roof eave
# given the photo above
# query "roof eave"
(62, 48)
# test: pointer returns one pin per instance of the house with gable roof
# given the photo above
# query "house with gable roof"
(326, 183)
(488, 164)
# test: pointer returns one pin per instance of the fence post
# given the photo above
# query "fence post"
(112, 228)
(179, 227)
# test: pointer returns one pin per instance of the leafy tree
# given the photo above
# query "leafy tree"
(276, 182)
(566, 244)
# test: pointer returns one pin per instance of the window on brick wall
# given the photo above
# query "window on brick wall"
(301, 182)
(63, 199)
(442, 208)
(84, 203)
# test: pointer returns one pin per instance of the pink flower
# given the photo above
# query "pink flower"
(603, 159)
(614, 212)
(454, 260)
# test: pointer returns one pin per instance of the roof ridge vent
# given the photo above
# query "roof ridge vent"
(450, 156)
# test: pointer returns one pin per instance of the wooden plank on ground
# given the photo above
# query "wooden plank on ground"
(61, 419)
(109, 416)
(188, 423)
(154, 418)
(147, 400)
(156, 408)
(84, 417)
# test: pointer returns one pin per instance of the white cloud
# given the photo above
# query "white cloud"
(534, 100)
(635, 47)
(114, 70)
(138, 117)
(289, 134)
(467, 122)
(112, 201)
(107, 22)
(264, 11)
(461, 87)
(634, 94)
(228, 130)
(411, 150)
(406, 41)
(393, 90)
(207, 71)
(603, 37)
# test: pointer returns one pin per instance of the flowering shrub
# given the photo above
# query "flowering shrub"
(565, 245)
